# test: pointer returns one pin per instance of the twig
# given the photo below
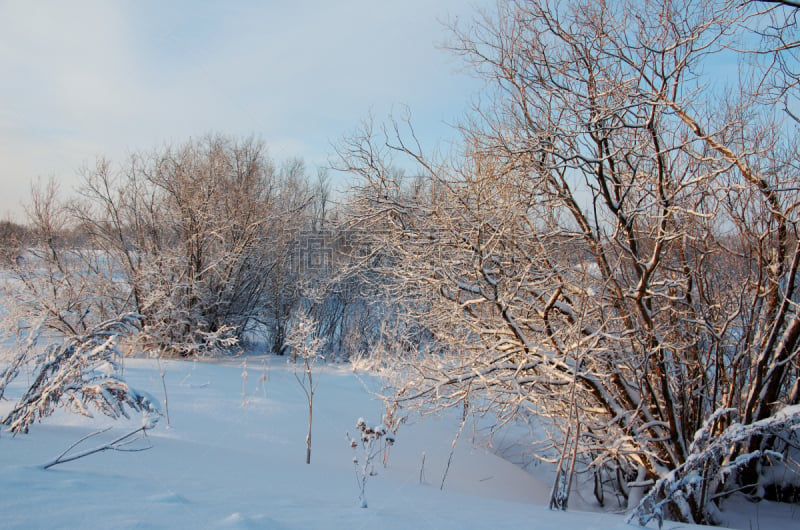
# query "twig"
(453, 447)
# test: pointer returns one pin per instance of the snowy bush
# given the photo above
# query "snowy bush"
(690, 491)
(82, 373)
(368, 444)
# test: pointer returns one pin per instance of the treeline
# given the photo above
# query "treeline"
(211, 241)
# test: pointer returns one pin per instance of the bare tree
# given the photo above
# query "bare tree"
(199, 232)
(282, 293)
(12, 238)
(54, 285)
(616, 243)
(305, 344)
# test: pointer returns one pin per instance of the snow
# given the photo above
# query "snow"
(224, 465)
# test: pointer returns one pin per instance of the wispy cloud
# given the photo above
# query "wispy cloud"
(89, 78)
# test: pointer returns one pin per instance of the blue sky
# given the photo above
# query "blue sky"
(86, 78)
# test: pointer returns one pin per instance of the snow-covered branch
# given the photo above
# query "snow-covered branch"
(81, 374)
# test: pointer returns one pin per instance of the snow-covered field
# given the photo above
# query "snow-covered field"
(229, 462)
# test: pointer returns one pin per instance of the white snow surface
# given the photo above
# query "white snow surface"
(225, 464)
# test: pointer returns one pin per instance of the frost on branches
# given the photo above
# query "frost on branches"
(80, 374)
(612, 248)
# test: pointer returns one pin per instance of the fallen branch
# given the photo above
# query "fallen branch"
(119, 444)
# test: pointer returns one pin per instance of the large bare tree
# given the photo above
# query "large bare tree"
(615, 248)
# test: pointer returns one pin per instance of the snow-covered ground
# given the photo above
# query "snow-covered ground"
(229, 462)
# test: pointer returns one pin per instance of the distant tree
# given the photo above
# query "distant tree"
(13, 237)
(56, 286)
(282, 289)
(197, 238)
(200, 233)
